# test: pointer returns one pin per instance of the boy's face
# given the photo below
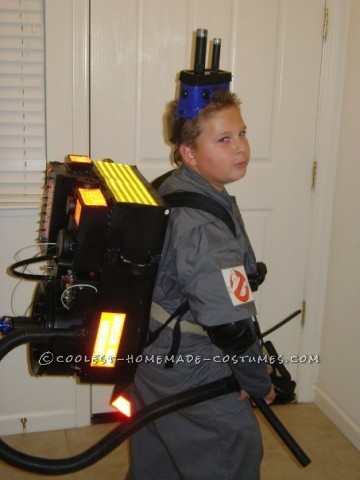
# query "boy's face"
(222, 152)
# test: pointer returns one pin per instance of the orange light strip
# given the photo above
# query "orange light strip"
(123, 405)
(79, 159)
(108, 339)
(92, 197)
(77, 213)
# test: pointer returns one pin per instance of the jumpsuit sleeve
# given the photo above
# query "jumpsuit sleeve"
(202, 257)
(251, 372)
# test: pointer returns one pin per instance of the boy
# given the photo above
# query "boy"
(203, 263)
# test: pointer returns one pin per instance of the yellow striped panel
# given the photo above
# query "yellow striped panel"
(124, 184)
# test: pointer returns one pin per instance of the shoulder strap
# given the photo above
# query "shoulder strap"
(159, 180)
(178, 314)
(195, 200)
(200, 202)
(153, 335)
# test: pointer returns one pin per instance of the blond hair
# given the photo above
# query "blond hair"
(180, 131)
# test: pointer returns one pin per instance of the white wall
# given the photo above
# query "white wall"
(338, 385)
(47, 403)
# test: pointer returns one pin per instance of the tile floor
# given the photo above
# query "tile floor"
(333, 457)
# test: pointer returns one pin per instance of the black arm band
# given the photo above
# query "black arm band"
(233, 338)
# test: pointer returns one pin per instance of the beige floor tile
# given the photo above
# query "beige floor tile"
(113, 466)
(332, 456)
(43, 444)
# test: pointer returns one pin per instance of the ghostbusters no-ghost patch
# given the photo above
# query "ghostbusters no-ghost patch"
(237, 285)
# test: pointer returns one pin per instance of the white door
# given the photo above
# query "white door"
(274, 50)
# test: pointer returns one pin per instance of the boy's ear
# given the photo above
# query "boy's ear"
(188, 155)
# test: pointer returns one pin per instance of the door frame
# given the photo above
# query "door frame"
(328, 129)
(74, 96)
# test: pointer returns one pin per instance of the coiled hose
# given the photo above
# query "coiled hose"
(121, 432)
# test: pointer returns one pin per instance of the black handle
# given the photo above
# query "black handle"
(289, 441)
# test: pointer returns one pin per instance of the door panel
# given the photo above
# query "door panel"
(138, 48)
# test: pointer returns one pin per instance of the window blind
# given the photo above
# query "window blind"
(22, 101)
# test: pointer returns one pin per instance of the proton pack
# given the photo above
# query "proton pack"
(102, 228)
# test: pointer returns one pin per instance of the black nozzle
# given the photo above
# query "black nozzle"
(200, 50)
(215, 61)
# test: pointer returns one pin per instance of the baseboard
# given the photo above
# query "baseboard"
(37, 422)
(333, 411)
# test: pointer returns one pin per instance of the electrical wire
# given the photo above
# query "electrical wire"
(27, 276)
(35, 245)
(78, 285)
(18, 259)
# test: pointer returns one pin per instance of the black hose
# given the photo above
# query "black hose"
(123, 431)
(35, 334)
(12, 270)
(113, 439)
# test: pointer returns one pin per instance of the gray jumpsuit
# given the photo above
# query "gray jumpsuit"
(218, 439)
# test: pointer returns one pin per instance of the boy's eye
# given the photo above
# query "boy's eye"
(224, 139)
(243, 133)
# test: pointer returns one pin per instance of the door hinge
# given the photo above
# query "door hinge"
(303, 313)
(314, 175)
(326, 22)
